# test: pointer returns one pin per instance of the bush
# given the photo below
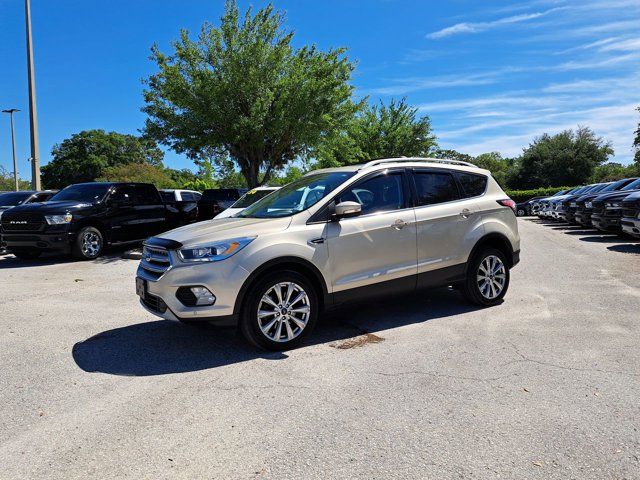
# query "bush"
(523, 195)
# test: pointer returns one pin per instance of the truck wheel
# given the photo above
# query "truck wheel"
(89, 244)
(27, 254)
(521, 212)
(487, 278)
(280, 311)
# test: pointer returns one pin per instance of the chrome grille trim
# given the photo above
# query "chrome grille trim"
(156, 261)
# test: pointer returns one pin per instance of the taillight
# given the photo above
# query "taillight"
(508, 203)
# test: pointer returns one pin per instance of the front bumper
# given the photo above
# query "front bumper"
(631, 226)
(224, 279)
(59, 242)
(605, 223)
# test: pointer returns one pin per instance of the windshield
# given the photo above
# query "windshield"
(251, 197)
(297, 196)
(13, 199)
(83, 192)
(614, 185)
(633, 185)
(598, 188)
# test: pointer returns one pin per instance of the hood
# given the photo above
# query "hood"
(51, 207)
(614, 195)
(224, 229)
(634, 196)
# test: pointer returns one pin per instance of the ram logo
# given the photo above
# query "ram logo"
(17, 222)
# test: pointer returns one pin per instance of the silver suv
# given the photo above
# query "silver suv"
(336, 235)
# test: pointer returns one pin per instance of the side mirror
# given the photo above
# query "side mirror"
(347, 209)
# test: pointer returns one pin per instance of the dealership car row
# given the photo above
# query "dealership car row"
(609, 207)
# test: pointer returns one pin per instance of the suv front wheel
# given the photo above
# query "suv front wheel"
(487, 278)
(280, 311)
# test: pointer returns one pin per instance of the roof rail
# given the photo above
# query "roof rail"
(418, 159)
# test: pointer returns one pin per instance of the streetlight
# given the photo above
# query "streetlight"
(33, 118)
(11, 111)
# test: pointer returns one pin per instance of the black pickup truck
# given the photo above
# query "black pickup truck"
(83, 218)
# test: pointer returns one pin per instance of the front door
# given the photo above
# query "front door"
(378, 247)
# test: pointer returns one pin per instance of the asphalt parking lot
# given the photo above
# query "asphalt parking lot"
(545, 385)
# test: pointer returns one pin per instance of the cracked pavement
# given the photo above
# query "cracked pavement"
(544, 386)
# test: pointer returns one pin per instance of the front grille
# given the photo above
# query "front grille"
(598, 208)
(154, 303)
(155, 261)
(630, 209)
(22, 222)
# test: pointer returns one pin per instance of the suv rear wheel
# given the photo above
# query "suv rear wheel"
(487, 278)
(280, 311)
(89, 244)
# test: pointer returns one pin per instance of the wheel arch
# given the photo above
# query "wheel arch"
(495, 240)
(296, 264)
(95, 223)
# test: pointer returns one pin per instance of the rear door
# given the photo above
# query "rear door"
(150, 214)
(446, 217)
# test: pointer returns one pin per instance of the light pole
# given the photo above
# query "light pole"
(33, 117)
(11, 111)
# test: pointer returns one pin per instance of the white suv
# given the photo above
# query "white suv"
(336, 235)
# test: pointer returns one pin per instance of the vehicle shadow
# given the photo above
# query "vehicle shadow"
(111, 255)
(633, 248)
(603, 237)
(164, 347)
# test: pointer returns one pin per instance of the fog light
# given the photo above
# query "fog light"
(203, 296)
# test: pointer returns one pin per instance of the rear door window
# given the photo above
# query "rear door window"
(435, 187)
(472, 185)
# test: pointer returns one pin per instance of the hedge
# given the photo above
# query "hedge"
(522, 195)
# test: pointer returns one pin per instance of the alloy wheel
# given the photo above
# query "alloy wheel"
(283, 312)
(491, 277)
(91, 244)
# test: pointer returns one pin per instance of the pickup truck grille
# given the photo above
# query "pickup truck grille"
(598, 208)
(22, 222)
(630, 209)
(155, 262)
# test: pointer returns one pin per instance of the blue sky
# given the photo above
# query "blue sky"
(490, 75)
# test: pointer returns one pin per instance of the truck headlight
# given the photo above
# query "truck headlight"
(58, 219)
(588, 204)
(214, 252)
(612, 204)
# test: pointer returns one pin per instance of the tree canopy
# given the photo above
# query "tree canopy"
(242, 87)
(568, 158)
(85, 156)
(378, 131)
(7, 183)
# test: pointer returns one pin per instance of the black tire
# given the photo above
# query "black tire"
(249, 322)
(88, 252)
(471, 287)
(27, 254)
(521, 212)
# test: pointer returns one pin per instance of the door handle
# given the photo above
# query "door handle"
(399, 224)
(466, 213)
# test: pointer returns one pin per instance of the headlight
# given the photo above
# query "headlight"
(215, 251)
(588, 204)
(58, 219)
(612, 205)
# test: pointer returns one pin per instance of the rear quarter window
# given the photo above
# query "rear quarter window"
(473, 185)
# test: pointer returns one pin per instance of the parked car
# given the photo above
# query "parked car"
(11, 199)
(248, 199)
(83, 218)
(527, 207)
(336, 235)
(216, 200)
(584, 204)
(566, 209)
(607, 208)
(547, 205)
(182, 206)
(631, 215)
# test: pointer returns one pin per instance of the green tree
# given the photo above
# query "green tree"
(611, 171)
(291, 174)
(451, 155)
(379, 131)
(568, 158)
(243, 88)
(84, 156)
(496, 164)
(7, 182)
(636, 146)
(139, 172)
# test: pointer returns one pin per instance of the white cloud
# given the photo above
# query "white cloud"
(475, 27)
